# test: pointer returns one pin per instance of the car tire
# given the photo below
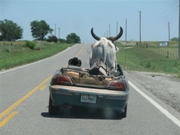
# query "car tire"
(52, 109)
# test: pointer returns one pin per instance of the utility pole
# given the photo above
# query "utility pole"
(140, 28)
(168, 31)
(55, 30)
(117, 28)
(109, 30)
(59, 33)
(126, 32)
(179, 34)
(125, 42)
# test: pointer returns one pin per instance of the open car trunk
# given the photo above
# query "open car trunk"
(94, 77)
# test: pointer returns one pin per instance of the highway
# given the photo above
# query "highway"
(24, 96)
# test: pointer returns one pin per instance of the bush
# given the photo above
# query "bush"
(62, 40)
(52, 39)
(148, 64)
(31, 45)
(7, 50)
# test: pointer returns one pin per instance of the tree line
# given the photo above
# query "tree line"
(10, 31)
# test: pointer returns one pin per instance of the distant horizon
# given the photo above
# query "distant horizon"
(105, 16)
(96, 40)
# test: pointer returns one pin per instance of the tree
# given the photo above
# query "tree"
(52, 39)
(175, 39)
(10, 31)
(62, 40)
(40, 29)
(73, 38)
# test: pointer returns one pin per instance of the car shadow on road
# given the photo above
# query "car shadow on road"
(85, 113)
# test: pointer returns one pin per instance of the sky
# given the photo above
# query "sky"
(104, 16)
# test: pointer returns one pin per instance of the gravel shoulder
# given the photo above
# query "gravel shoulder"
(166, 87)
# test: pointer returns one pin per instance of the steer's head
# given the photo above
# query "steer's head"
(108, 55)
(109, 38)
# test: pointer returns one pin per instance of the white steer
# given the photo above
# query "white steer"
(105, 49)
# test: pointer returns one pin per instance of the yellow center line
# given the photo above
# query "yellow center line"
(8, 118)
(43, 87)
(23, 98)
(79, 52)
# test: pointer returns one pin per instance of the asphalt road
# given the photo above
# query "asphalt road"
(24, 96)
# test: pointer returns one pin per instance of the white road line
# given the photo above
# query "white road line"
(160, 108)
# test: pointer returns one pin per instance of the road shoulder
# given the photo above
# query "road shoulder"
(162, 88)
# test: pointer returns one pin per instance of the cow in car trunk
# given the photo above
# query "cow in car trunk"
(105, 49)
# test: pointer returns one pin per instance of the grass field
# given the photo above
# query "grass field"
(16, 53)
(149, 59)
(153, 58)
(149, 43)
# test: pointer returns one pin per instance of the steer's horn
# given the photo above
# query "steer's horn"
(94, 36)
(116, 37)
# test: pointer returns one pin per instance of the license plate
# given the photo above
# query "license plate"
(88, 98)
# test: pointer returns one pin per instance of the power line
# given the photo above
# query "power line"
(55, 30)
(179, 34)
(109, 30)
(59, 32)
(169, 12)
(117, 28)
(125, 43)
(140, 28)
(168, 31)
(126, 32)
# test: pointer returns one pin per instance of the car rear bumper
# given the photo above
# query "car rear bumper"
(71, 95)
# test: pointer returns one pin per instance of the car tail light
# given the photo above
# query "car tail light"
(117, 85)
(62, 80)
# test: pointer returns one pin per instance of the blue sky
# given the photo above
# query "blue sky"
(79, 16)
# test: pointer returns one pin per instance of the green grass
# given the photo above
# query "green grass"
(11, 57)
(148, 59)
(152, 59)
(149, 43)
(171, 52)
(6, 46)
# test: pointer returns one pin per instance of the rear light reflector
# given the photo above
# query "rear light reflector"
(62, 80)
(118, 85)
